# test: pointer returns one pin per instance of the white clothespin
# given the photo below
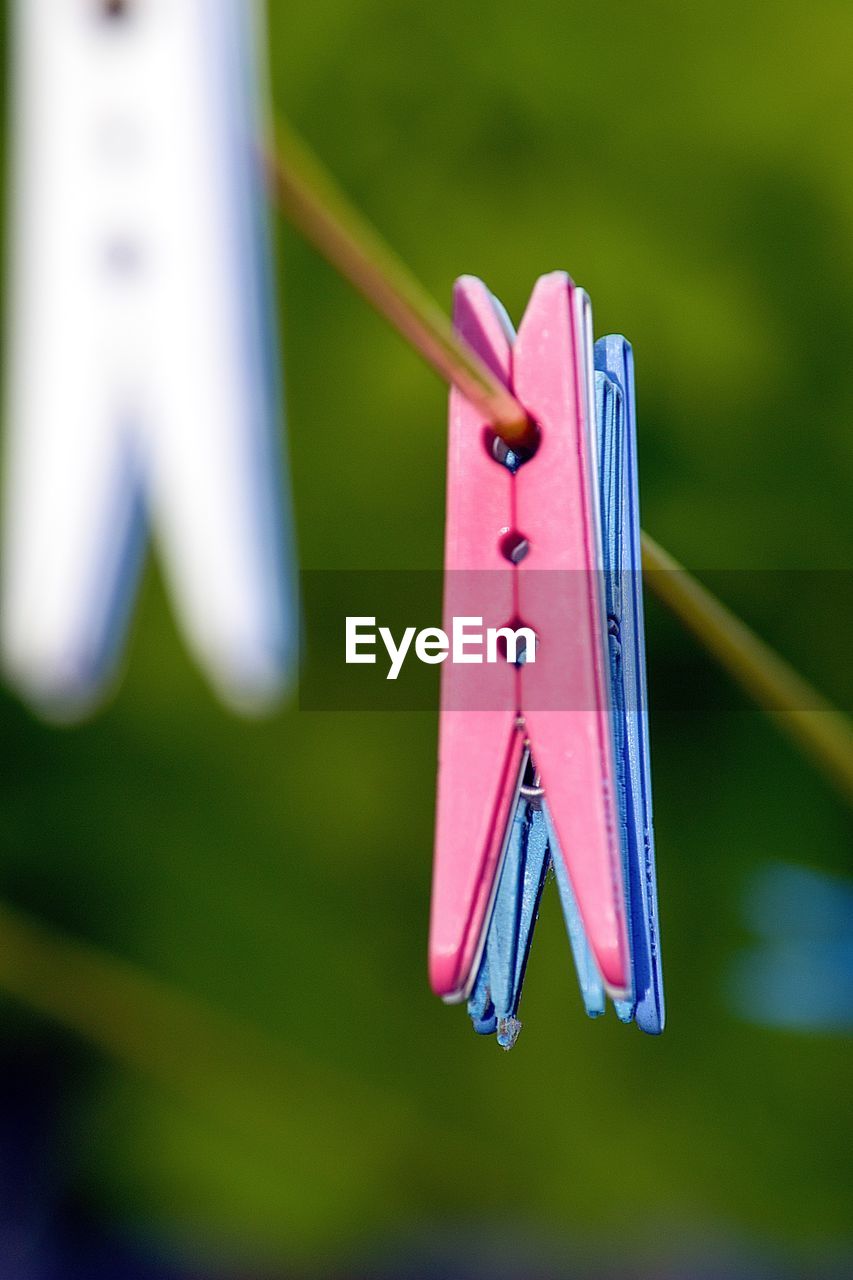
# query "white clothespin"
(142, 366)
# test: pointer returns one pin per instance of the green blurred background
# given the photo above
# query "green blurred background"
(692, 167)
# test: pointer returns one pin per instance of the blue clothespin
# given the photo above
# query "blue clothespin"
(493, 1004)
(797, 971)
(615, 360)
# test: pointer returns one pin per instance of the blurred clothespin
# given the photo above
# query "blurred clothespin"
(144, 386)
(588, 810)
(796, 972)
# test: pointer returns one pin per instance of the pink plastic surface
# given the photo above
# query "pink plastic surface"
(479, 744)
(564, 694)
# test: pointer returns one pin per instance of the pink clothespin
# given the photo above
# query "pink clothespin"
(523, 549)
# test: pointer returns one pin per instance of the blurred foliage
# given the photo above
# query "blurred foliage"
(691, 166)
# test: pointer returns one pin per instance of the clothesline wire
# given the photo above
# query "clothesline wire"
(310, 199)
(307, 195)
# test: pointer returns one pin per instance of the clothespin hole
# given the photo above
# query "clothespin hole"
(122, 257)
(514, 546)
(521, 638)
(522, 651)
(508, 456)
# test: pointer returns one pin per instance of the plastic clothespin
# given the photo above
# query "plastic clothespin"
(493, 1005)
(523, 547)
(624, 579)
(143, 378)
